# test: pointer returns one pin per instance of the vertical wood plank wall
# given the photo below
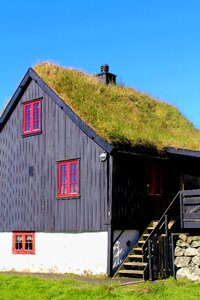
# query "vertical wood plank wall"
(29, 202)
(132, 206)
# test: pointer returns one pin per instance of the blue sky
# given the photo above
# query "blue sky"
(151, 45)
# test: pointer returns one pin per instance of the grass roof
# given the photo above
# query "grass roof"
(119, 114)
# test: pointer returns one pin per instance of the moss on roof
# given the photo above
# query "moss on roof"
(121, 115)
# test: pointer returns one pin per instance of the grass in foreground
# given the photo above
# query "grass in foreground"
(30, 287)
(121, 115)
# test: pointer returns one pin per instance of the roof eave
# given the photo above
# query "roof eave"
(14, 100)
(183, 152)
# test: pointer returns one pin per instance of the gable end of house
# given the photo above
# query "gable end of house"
(32, 75)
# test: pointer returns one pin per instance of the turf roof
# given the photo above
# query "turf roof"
(119, 114)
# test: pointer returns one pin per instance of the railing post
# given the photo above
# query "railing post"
(181, 209)
(150, 261)
(166, 225)
(156, 257)
(173, 268)
(166, 256)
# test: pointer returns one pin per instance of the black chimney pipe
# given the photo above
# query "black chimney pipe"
(105, 77)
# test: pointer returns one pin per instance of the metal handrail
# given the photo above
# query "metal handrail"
(161, 222)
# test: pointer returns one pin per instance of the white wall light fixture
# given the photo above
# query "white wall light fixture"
(103, 156)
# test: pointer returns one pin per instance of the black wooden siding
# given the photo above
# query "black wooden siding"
(129, 199)
(29, 202)
(132, 207)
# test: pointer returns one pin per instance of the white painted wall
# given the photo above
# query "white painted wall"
(78, 253)
(123, 245)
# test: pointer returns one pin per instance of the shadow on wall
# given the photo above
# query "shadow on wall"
(124, 241)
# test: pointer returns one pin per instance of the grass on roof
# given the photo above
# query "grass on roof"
(119, 114)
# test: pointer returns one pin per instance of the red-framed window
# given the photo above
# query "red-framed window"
(23, 243)
(68, 178)
(154, 180)
(32, 117)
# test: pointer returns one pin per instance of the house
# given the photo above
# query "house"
(77, 188)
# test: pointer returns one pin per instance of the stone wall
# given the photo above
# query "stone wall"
(187, 257)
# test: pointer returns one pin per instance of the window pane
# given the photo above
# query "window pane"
(27, 109)
(36, 116)
(29, 238)
(73, 167)
(63, 189)
(63, 169)
(36, 124)
(27, 118)
(36, 107)
(73, 177)
(18, 238)
(73, 188)
(27, 127)
(18, 242)
(28, 242)
(63, 179)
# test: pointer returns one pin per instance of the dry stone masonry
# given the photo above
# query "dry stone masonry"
(187, 261)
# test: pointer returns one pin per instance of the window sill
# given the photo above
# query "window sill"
(68, 197)
(23, 253)
(24, 135)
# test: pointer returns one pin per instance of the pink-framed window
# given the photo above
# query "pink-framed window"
(154, 179)
(32, 117)
(23, 243)
(68, 178)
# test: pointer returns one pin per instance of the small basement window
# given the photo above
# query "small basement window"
(68, 178)
(32, 117)
(154, 180)
(23, 243)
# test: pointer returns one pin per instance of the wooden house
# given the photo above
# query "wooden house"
(71, 201)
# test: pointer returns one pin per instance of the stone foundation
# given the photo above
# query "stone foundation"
(187, 257)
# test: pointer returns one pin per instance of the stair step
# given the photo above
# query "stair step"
(131, 272)
(137, 249)
(155, 223)
(171, 223)
(135, 256)
(150, 228)
(136, 264)
(141, 242)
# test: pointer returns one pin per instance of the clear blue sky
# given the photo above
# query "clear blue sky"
(151, 45)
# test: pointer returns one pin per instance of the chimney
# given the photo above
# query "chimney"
(105, 77)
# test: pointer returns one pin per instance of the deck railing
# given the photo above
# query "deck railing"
(171, 213)
(190, 209)
(158, 247)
